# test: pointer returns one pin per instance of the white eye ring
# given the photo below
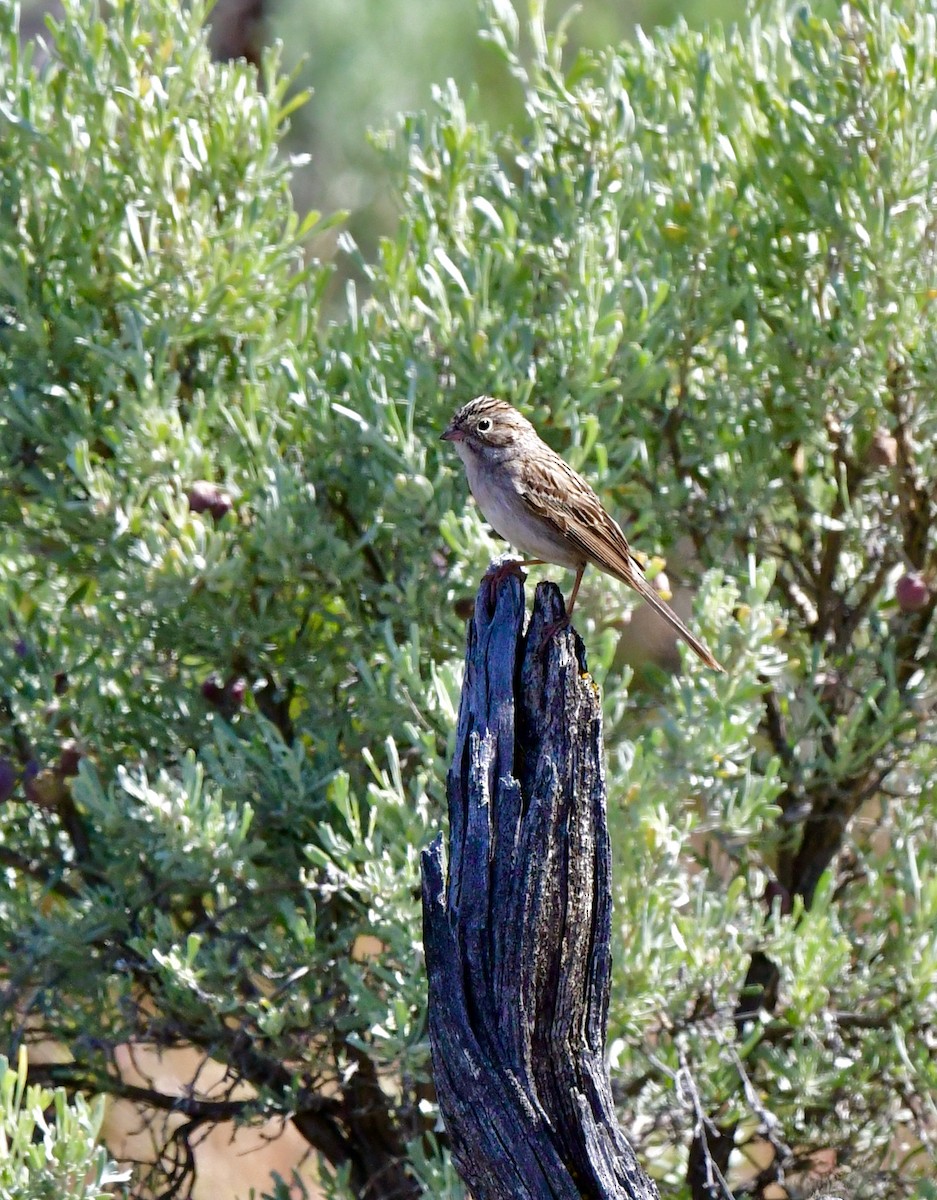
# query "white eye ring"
(483, 425)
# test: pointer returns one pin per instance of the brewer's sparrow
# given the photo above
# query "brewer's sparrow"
(539, 504)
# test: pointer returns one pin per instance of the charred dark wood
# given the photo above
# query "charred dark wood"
(517, 935)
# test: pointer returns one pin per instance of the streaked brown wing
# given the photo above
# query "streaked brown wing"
(556, 494)
(559, 494)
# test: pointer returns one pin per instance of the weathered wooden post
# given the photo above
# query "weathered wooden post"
(517, 936)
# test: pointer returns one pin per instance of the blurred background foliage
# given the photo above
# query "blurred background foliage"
(366, 61)
(233, 555)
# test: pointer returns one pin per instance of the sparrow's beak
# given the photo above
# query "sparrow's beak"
(452, 435)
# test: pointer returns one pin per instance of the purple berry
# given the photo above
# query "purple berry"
(8, 777)
(776, 891)
(213, 691)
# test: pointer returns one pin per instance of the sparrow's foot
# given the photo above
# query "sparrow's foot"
(500, 570)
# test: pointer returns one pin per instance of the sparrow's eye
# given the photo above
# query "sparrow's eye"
(483, 425)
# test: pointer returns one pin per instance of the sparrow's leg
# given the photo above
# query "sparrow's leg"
(555, 627)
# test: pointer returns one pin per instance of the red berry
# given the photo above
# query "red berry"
(883, 451)
(236, 691)
(70, 756)
(912, 592)
(204, 496)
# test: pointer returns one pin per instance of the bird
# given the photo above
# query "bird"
(536, 501)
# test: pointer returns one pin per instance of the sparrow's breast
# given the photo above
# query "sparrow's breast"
(508, 511)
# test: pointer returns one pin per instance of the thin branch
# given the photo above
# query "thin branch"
(18, 862)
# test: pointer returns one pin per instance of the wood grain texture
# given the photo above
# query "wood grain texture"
(517, 933)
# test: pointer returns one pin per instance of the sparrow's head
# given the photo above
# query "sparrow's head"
(487, 423)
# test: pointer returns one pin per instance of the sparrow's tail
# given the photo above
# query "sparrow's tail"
(640, 584)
